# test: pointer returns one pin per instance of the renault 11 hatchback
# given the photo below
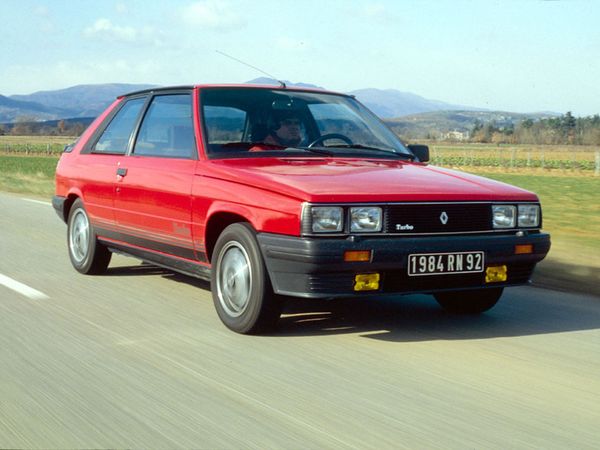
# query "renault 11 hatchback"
(273, 192)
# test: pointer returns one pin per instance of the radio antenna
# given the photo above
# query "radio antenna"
(281, 83)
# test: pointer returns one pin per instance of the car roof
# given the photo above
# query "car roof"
(235, 86)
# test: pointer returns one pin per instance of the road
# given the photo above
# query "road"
(138, 359)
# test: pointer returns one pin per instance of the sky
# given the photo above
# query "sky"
(510, 55)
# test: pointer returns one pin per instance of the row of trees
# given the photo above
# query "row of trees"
(566, 129)
(25, 126)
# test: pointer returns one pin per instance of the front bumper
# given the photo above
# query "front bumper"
(314, 267)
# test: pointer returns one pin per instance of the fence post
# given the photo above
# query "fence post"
(543, 161)
(597, 171)
(512, 158)
(528, 158)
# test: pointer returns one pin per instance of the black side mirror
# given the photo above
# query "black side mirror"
(420, 151)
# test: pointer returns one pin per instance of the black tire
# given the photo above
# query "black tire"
(87, 255)
(469, 302)
(241, 288)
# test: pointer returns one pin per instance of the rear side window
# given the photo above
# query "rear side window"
(167, 129)
(115, 137)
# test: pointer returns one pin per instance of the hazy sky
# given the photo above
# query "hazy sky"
(521, 55)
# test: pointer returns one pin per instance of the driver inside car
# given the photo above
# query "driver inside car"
(286, 130)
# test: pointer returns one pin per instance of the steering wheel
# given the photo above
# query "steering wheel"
(328, 136)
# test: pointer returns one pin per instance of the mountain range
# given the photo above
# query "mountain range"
(386, 103)
(402, 110)
(73, 102)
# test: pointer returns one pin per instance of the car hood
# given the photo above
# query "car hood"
(353, 180)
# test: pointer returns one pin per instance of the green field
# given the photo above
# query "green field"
(28, 174)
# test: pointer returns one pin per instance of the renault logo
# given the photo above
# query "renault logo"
(444, 218)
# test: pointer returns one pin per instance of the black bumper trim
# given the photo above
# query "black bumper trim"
(58, 202)
(314, 267)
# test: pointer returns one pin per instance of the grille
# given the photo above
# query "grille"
(331, 283)
(425, 218)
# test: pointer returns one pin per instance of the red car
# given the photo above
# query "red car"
(281, 192)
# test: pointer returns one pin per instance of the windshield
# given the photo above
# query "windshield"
(265, 122)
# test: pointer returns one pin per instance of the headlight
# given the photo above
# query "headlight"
(504, 216)
(365, 219)
(326, 219)
(529, 216)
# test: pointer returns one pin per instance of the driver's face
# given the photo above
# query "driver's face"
(289, 130)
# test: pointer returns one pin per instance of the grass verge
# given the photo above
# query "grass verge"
(28, 174)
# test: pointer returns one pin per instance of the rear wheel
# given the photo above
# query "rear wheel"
(240, 284)
(469, 302)
(87, 255)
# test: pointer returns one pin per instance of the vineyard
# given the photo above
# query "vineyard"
(549, 157)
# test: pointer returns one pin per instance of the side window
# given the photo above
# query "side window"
(167, 129)
(224, 124)
(115, 137)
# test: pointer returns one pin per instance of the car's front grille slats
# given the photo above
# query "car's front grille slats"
(438, 218)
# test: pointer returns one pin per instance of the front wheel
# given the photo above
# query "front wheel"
(87, 255)
(240, 284)
(473, 301)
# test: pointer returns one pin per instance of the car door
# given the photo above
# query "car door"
(153, 193)
(98, 163)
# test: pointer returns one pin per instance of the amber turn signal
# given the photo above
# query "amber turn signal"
(357, 256)
(523, 249)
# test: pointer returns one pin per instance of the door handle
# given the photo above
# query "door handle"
(121, 171)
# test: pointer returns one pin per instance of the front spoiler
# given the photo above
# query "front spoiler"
(314, 267)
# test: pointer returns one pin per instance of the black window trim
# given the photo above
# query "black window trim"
(138, 125)
(89, 147)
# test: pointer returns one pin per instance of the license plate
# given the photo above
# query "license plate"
(421, 264)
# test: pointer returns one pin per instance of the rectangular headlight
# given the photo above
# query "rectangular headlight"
(365, 219)
(326, 219)
(529, 216)
(504, 216)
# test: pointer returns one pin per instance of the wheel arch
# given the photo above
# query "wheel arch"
(71, 197)
(215, 225)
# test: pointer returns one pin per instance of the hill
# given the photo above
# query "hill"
(274, 82)
(432, 124)
(407, 113)
(72, 102)
(389, 103)
(11, 109)
(386, 103)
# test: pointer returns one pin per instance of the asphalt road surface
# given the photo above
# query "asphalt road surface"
(138, 359)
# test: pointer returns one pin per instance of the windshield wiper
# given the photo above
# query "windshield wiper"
(319, 150)
(376, 149)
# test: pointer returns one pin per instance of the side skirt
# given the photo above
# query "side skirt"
(165, 261)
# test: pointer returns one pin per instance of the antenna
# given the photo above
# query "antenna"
(253, 67)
